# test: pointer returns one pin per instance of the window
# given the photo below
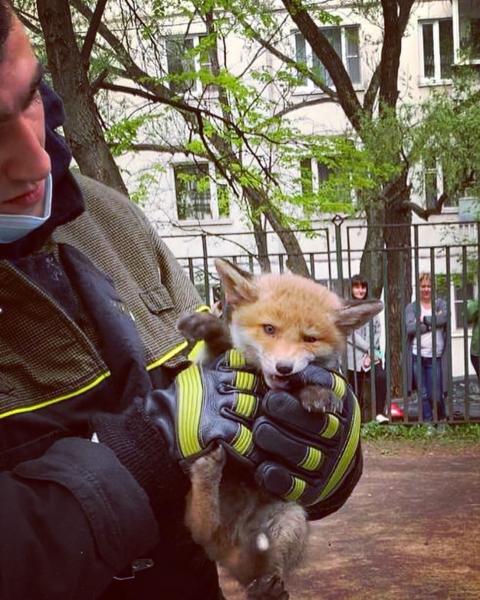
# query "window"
(434, 186)
(192, 189)
(436, 50)
(432, 183)
(186, 55)
(346, 42)
(469, 29)
(314, 173)
(198, 195)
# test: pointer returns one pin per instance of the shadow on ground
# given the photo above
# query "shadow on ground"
(411, 530)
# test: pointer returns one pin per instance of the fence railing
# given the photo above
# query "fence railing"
(450, 252)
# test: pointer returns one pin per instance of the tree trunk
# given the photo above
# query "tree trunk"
(259, 202)
(83, 131)
(397, 236)
(371, 263)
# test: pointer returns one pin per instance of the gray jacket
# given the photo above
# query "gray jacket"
(411, 327)
(358, 344)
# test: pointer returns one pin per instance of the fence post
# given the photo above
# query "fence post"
(206, 276)
(338, 221)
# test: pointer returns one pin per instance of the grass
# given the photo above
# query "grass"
(465, 432)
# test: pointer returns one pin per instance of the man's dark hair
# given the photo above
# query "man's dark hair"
(6, 13)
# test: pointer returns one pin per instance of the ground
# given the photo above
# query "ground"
(411, 530)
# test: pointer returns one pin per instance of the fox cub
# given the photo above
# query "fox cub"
(281, 323)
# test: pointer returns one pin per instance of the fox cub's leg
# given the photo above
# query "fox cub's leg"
(204, 326)
(267, 587)
(202, 515)
(317, 399)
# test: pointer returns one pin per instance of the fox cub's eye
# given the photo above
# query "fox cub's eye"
(309, 339)
(269, 329)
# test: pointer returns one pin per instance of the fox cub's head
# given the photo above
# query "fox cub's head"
(283, 322)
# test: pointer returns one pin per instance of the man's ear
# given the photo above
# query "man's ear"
(238, 284)
(355, 313)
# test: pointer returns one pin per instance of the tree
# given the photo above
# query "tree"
(209, 112)
(396, 138)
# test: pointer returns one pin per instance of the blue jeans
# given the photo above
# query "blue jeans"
(428, 389)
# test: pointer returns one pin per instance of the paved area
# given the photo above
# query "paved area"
(411, 530)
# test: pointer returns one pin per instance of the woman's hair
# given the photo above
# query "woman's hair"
(358, 280)
(425, 276)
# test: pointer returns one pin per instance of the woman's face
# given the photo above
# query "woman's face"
(425, 291)
(359, 291)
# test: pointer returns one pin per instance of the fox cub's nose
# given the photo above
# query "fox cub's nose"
(284, 368)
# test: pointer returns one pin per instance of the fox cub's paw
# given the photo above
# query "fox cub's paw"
(317, 399)
(267, 587)
(200, 326)
(209, 467)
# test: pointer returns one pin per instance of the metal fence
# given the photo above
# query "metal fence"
(449, 251)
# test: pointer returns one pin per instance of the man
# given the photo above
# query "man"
(100, 414)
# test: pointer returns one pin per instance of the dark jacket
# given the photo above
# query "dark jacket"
(69, 347)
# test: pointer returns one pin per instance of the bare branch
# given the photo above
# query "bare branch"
(371, 93)
(292, 107)
(92, 31)
(27, 20)
(425, 213)
(301, 69)
(327, 55)
(167, 148)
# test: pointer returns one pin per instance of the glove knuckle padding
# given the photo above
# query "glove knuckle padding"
(320, 449)
(211, 406)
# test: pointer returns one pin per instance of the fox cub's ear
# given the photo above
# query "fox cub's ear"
(355, 313)
(238, 284)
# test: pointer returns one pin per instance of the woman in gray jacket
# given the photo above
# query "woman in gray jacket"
(432, 361)
(359, 356)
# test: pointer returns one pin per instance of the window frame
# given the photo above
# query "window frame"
(437, 170)
(457, 45)
(316, 180)
(196, 88)
(437, 78)
(214, 184)
(308, 85)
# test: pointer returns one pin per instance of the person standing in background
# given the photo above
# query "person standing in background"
(359, 357)
(421, 317)
(473, 317)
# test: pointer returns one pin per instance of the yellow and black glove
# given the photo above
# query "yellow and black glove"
(208, 406)
(313, 458)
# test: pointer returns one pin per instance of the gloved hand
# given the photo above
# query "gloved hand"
(313, 458)
(208, 406)
(176, 425)
(427, 321)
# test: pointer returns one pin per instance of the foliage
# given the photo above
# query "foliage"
(184, 94)
(462, 432)
(449, 133)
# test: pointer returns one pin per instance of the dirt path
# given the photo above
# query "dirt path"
(411, 530)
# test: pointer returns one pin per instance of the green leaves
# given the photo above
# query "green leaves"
(122, 134)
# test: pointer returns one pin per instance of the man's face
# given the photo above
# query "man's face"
(24, 163)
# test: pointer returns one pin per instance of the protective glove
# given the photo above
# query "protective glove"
(208, 406)
(176, 425)
(313, 458)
